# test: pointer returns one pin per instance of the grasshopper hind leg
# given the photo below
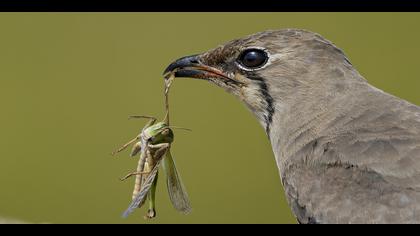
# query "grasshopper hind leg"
(151, 212)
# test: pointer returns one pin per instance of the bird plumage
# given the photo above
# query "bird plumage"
(347, 152)
(357, 161)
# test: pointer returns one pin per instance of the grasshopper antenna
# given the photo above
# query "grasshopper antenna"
(182, 128)
(141, 117)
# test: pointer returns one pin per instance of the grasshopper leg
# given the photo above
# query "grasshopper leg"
(151, 122)
(161, 149)
(133, 174)
(124, 146)
(152, 119)
(142, 117)
(136, 149)
(151, 212)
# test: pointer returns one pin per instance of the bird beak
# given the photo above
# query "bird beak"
(191, 67)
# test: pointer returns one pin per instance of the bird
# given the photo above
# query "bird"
(346, 151)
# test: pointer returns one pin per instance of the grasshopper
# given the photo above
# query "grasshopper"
(153, 144)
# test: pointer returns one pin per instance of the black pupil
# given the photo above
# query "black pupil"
(253, 58)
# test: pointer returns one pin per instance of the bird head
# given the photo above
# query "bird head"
(265, 69)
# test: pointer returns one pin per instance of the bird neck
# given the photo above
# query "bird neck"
(302, 119)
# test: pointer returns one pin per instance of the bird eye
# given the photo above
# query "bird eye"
(253, 58)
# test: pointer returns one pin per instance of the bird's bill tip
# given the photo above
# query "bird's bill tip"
(183, 62)
(191, 67)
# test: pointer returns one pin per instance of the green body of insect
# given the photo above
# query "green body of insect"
(154, 144)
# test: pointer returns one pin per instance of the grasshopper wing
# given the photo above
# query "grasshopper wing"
(176, 189)
(141, 196)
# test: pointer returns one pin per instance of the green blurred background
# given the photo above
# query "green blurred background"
(68, 81)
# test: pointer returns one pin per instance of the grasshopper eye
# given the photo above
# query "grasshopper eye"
(165, 132)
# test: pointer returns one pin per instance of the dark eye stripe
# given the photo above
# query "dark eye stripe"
(264, 90)
(253, 58)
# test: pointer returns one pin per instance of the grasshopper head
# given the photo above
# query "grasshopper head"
(159, 133)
